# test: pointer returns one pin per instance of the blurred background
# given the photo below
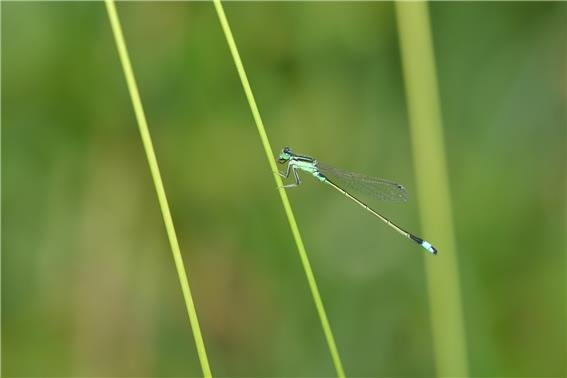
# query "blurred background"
(88, 283)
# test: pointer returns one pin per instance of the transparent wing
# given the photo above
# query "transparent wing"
(373, 186)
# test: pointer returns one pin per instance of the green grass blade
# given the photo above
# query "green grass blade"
(156, 176)
(287, 207)
(433, 187)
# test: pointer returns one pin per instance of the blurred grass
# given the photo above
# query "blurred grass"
(87, 289)
(445, 302)
(158, 184)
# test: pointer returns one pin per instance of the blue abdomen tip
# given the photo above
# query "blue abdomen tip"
(429, 247)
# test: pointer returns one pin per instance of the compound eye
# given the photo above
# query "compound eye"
(286, 150)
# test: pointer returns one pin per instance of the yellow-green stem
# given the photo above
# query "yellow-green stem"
(156, 177)
(287, 207)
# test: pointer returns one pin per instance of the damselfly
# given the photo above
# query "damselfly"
(342, 180)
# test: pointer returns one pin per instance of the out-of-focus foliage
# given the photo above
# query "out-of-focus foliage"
(88, 284)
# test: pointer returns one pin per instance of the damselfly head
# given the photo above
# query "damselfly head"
(285, 155)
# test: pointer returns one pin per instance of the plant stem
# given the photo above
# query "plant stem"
(433, 187)
(156, 177)
(287, 207)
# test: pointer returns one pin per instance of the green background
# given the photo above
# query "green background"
(88, 283)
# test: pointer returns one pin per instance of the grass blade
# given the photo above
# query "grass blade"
(287, 207)
(156, 177)
(433, 187)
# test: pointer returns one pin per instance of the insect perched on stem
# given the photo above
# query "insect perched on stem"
(342, 180)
